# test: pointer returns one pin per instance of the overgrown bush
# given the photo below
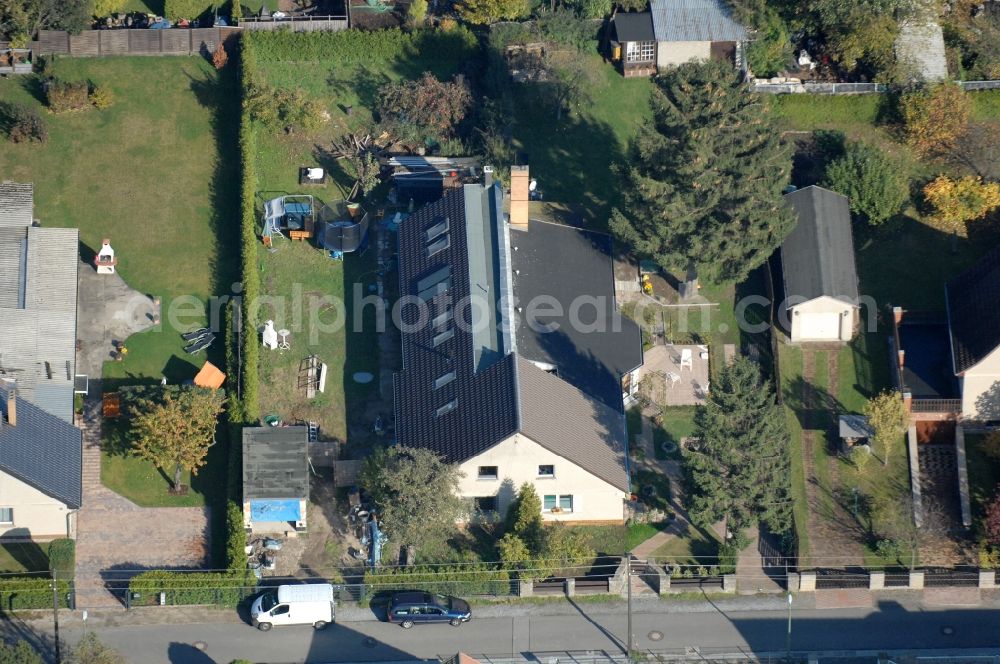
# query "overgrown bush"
(484, 12)
(870, 179)
(358, 46)
(102, 97)
(180, 588)
(465, 579)
(273, 107)
(31, 592)
(425, 106)
(189, 9)
(416, 14)
(66, 95)
(62, 558)
(107, 7)
(23, 123)
(935, 117)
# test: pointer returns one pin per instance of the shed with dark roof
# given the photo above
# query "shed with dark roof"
(275, 477)
(818, 267)
(695, 30)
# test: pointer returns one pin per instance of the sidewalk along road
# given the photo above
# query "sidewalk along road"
(890, 626)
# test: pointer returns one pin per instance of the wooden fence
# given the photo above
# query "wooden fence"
(175, 41)
(297, 23)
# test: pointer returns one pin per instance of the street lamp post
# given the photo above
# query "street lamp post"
(788, 638)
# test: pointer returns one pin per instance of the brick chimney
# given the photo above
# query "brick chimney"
(519, 194)
(11, 414)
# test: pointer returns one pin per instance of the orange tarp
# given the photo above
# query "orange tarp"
(210, 377)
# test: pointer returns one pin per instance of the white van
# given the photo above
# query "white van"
(307, 604)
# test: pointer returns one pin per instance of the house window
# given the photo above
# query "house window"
(485, 504)
(447, 408)
(6, 515)
(547, 470)
(488, 472)
(640, 51)
(557, 503)
(443, 380)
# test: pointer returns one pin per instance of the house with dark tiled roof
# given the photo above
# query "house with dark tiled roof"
(516, 360)
(41, 451)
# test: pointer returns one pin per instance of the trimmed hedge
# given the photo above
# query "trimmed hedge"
(236, 541)
(184, 588)
(248, 236)
(62, 558)
(360, 46)
(31, 592)
(469, 579)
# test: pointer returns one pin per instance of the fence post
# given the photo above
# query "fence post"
(570, 587)
(876, 580)
(987, 578)
(525, 588)
(807, 582)
(792, 581)
(916, 580)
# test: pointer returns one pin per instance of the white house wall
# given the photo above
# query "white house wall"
(822, 305)
(36, 515)
(981, 389)
(673, 53)
(517, 460)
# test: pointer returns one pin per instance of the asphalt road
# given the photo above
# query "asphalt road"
(892, 627)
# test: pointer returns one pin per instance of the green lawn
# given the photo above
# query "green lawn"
(572, 158)
(23, 557)
(700, 547)
(677, 424)
(146, 173)
(155, 173)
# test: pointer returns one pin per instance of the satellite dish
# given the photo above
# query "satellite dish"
(533, 184)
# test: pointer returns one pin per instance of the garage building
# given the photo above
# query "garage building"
(820, 277)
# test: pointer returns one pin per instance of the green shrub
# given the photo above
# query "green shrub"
(466, 579)
(729, 553)
(185, 588)
(595, 8)
(189, 9)
(871, 180)
(62, 558)
(24, 124)
(236, 541)
(107, 7)
(31, 592)
(102, 97)
(66, 95)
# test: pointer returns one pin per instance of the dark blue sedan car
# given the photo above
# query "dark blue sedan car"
(410, 608)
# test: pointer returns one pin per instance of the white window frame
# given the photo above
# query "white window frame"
(561, 510)
(644, 51)
(7, 522)
(546, 476)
